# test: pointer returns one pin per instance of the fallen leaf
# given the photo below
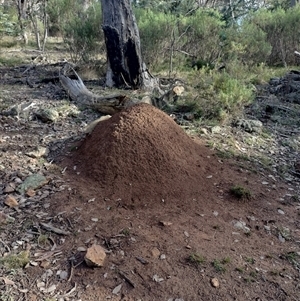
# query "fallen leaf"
(11, 202)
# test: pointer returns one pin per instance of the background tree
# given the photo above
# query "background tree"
(36, 12)
(124, 59)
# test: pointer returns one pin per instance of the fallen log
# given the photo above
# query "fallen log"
(78, 92)
(114, 103)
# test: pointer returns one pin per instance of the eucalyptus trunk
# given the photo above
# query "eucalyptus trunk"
(125, 66)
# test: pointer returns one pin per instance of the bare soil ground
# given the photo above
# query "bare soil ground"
(160, 202)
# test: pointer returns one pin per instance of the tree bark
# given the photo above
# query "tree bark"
(125, 66)
(21, 7)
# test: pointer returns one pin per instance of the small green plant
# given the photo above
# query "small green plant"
(15, 261)
(291, 257)
(240, 192)
(253, 274)
(219, 265)
(125, 232)
(250, 260)
(295, 198)
(285, 232)
(8, 43)
(10, 61)
(225, 154)
(43, 240)
(225, 260)
(247, 279)
(226, 95)
(196, 259)
(73, 148)
(274, 273)
(239, 269)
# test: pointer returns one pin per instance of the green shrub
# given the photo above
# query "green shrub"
(240, 192)
(247, 44)
(155, 30)
(220, 94)
(83, 33)
(7, 23)
(183, 39)
(282, 32)
(201, 35)
(80, 29)
(196, 259)
(59, 12)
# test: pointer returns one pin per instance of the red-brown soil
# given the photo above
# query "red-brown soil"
(142, 154)
(156, 191)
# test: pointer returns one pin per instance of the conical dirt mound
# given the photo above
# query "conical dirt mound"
(141, 153)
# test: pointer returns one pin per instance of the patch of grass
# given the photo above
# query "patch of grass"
(240, 192)
(8, 43)
(243, 157)
(240, 269)
(274, 273)
(10, 61)
(283, 169)
(188, 106)
(295, 199)
(269, 256)
(250, 260)
(285, 232)
(27, 224)
(196, 259)
(67, 109)
(219, 264)
(15, 261)
(265, 161)
(253, 274)
(292, 257)
(252, 277)
(43, 240)
(225, 260)
(225, 154)
(125, 232)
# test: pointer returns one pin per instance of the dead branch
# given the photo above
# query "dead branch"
(78, 92)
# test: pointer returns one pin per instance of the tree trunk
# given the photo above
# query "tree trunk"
(21, 7)
(125, 66)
